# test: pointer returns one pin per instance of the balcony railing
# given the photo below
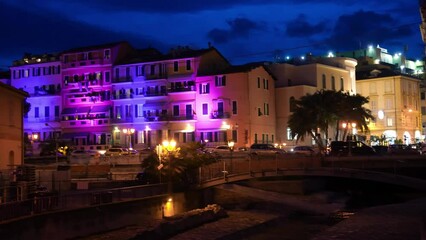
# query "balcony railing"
(122, 96)
(86, 122)
(155, 94)
(182, 89)
(122, 120)
(122, 79)
(219, 115)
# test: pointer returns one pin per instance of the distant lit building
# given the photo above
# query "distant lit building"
(394, 102)
(296, 79)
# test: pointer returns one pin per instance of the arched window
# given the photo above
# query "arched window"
(292, 103)
(333, 83)
(324, 82)
(342, 84)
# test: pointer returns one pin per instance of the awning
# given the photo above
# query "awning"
(83, 110)
(100, 109)
(68, 111)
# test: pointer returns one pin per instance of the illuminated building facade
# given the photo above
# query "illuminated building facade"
(99, 96)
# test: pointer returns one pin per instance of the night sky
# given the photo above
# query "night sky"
(242, 30)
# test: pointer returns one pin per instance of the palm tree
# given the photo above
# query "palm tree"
(314, 113)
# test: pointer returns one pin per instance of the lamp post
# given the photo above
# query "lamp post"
(170, 151)
(129, 132)
(231, 150)
(56, 142)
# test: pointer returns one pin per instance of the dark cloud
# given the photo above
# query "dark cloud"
(238, 28)
(49, 32)
(300, 27)
(363, 27)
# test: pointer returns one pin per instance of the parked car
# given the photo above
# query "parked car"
(264, 149)
(355, 148)
(402, 149)
(221, 148)
(84, 153)
(304, 150)
(116, 152)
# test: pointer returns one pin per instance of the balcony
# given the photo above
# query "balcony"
(122, 79)
(122, 120)
(163, 118)
(155, 93)
(122, 96)
(182, 89)
(220, 115)
(86, 123)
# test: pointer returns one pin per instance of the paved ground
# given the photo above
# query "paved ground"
(390, 222)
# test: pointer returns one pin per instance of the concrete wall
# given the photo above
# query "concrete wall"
(87, 221)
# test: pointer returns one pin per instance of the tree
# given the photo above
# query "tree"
(180, 166)
(314, 113)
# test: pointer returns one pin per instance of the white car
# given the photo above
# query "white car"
(116, 152)
(304, 150)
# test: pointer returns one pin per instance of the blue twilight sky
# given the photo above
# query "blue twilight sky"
(242, 30)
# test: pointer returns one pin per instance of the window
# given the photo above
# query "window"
(388, 103)
(292, 104)
(324, 82)
(266, 109)
(175, 66)
(205, 109)
(152, 70)
(422, 96)
(333, 83)
(175, 110)
(259, 112)
(107, 54)
(342, 86)
(289, 135)
(204, 88)
(117, 73)
(423, 110)
(107, 77)
(140, 70)
(127, 73)
(373, 105)
(234, 135)
(220, 81)
(46, 111)
(36, 112)
(389, 122)
(258, 82)
(373, 89)
(265, 84)
(188, 65)
(56, 111)
(388, 86)
(234, 107)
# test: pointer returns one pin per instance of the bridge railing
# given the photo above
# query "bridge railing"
(232, 165)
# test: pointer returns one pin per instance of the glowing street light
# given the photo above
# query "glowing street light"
(231, 149)
(129, 132)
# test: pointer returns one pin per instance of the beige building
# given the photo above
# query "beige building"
(297, 80)
(238, 105)
(395, 103)
(11, 126)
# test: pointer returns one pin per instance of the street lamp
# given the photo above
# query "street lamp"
(129, 132)
(170, 151)
(231, 149)
(56, 142)
(351, 127)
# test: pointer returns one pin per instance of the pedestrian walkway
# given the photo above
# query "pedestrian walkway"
(390, 222)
